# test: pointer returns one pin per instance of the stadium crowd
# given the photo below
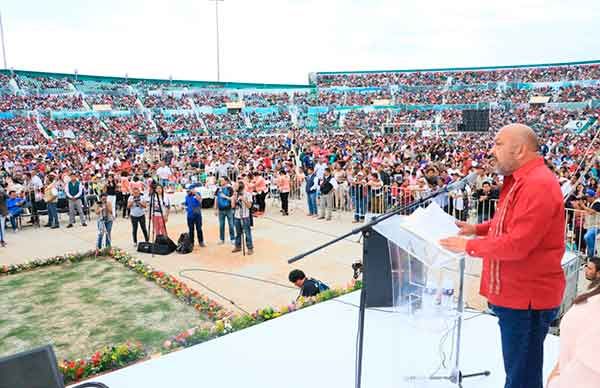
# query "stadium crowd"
(459, 77)
(371, 171)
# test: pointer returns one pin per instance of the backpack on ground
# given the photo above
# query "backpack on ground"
(184, 244)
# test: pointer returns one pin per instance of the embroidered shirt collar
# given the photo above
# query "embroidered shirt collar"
(527, 168)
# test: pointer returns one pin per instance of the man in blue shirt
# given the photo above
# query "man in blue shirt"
(193, 205)
(224, 209)
(311, 191)
(15, 208)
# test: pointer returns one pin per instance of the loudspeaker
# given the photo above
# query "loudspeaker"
(377, 272)
(36, 368)
(475, 120)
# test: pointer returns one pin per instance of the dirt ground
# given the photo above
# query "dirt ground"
(276, 239)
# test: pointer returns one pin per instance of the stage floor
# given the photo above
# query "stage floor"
(316, 347)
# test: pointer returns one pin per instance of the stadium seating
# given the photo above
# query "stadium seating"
(340, 101)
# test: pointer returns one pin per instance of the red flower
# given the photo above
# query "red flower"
(79, 372)
(96, 358)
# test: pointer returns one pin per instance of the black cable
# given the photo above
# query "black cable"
(274, 283)
(306, 228)
(214, 292)
(233, 274)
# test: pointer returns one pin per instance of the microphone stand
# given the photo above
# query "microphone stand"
(365, 230)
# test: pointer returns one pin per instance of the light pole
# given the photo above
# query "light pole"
(217, 27)
(3, 45)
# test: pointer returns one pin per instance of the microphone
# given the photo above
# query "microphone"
(460, 184)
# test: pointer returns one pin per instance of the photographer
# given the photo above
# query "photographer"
(193, 204)
(137, 204)
(327, 187)
(105, 214)
(224, 211)
(51, 199)
(243, 202)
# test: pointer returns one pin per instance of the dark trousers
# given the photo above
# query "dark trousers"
(284, 202)
(260, 200)
(523, 333)
(141, 221)
(125, 208)
(243, 226)
(195, 222)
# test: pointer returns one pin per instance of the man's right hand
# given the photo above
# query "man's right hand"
(466, 229)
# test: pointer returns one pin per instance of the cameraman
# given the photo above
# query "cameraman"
(137, 204)
(224, 211)
(193, 205)
(243, 202)
(104, 211)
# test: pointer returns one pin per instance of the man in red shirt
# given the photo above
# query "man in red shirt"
(522, 247)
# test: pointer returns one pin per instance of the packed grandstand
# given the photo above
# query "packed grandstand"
(542, 96)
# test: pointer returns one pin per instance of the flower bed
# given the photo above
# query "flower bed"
(115, 357)
(234, 323)
(107, 359)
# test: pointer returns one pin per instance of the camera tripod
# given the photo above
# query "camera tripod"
(155, 199)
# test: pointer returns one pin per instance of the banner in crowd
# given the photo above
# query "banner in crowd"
(101, 107)
(63, 134)
(260, 110)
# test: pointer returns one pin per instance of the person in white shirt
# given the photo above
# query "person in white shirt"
(320, 170)
(327, 188)
(164, 173)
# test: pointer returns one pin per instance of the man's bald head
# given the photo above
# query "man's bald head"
(519, 134)
(515, 145)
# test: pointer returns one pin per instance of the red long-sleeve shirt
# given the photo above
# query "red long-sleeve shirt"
(524, 243)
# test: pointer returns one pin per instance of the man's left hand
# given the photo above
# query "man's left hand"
(454, 244)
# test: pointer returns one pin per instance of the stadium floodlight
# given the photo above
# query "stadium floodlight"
(76, 72)
(217, 27)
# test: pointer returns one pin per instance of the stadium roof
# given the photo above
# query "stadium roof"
(596, 61)
(197, 84)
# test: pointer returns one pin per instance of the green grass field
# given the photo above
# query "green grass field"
(79, 308)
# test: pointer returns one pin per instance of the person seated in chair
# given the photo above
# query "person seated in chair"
(14, 205)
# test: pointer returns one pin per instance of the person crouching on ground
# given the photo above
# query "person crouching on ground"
(242, 200)
(308, 286)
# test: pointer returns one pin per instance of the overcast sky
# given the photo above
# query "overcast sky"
(282, 41)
